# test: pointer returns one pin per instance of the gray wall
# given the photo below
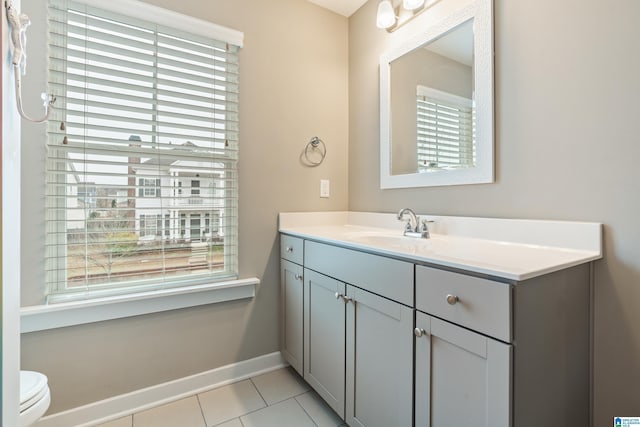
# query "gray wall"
(294, 85)
(567, 85)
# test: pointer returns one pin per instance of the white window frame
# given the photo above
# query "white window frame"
(144, 11)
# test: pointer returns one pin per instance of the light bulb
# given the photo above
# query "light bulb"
(386, 16)
(412, 4)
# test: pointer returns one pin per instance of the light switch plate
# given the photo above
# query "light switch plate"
(324, 188)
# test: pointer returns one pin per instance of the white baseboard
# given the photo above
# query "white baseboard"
(140, 400)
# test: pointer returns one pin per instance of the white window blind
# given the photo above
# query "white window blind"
(445, 130)
(143, 110)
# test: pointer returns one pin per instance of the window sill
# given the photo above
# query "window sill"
(52, 316)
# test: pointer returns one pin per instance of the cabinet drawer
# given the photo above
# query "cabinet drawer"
(387, 277)
(291, 248)
(482, 305)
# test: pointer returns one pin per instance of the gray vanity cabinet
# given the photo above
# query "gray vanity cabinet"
(379, 354)
(496, 354)
(291, 301)
(369, 335)
(324, 338)
(388, 342)
(358, 344)
(462, 377)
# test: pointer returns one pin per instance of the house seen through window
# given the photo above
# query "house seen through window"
(145, 112)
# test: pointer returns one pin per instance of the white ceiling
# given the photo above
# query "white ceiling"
(343, 7)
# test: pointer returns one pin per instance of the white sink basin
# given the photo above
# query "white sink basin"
(460, 252)
(390, 241)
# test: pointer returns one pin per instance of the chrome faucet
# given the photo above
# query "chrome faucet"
(414, 228)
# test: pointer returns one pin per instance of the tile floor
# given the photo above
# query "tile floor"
(275, 399)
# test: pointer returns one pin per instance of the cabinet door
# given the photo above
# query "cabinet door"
(324, 338)
(379, 379)
(462, 378)
(291, 303)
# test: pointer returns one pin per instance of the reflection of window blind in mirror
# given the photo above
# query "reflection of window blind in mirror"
(445, 130)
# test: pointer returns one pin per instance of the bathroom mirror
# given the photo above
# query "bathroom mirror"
(436, 99)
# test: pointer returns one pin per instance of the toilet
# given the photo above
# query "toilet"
(34, 397)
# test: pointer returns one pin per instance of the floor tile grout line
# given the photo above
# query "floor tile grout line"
(197, 396)
(277, 403)
(255, 410)
(294, 374)
(258, 390)
(290, 397)
(305, 411)
(246, 413)
(228, 421)
(311, 391)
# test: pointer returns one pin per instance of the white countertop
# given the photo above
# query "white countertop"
(507, 248)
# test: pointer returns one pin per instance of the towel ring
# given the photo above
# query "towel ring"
(316, 144)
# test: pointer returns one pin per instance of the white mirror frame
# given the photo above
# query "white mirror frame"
(430, 25)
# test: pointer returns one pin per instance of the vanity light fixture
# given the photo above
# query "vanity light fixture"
(412, 4)
(386, 17)
(392, 14)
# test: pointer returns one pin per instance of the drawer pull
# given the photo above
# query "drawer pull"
(288, 249)
(298, 276)
(344, 298)
(452, 299)
(419, 332)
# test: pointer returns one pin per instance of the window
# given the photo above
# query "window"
(141, 107)
(195, 188)
(445, 130)
(149, 187)
(150, 225)
(183, 225)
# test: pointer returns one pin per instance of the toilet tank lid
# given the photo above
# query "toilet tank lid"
(31, 383)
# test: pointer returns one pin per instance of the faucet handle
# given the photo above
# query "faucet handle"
(424, 222)
(425, 228)
(407, 225)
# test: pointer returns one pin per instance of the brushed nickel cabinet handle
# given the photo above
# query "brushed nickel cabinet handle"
(288, 249)
(419, 332)
(452, 299)
(298, 276)
(345, 299)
